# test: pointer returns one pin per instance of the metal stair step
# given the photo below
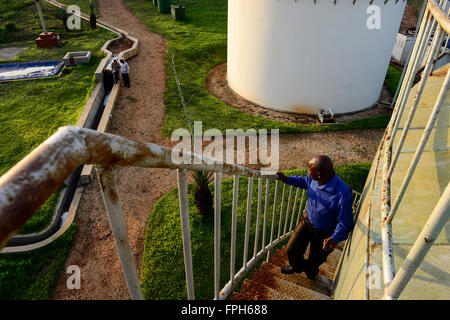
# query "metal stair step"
(327, 269)
(291, 289)
(321, 284)
(252, 290)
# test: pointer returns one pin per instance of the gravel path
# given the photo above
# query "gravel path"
(139, 115)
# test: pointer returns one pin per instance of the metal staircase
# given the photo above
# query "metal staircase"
(268, 283)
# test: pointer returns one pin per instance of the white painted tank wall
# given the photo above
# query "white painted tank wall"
(298, 56)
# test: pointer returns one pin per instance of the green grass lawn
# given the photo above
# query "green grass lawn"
(32, 110)
(199, 43)
(162, 272)
(34, 275)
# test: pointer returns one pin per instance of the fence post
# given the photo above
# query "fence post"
(119, 229)
(186, 231)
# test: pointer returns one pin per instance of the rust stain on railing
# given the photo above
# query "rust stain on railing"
(36, 177)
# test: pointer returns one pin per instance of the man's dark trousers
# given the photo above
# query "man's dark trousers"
(126, 79)
(303, 234)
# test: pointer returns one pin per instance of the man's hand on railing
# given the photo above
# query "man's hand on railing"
(282, 177)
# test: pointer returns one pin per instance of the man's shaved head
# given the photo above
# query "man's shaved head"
(321, 168)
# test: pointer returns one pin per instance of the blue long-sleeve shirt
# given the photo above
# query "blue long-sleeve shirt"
(329, 206)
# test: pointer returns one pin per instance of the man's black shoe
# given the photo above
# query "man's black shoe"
(311, 276)
(287, 270)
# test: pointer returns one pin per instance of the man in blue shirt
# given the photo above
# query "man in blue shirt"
(329, 217)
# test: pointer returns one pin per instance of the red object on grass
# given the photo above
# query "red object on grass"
(49, 39)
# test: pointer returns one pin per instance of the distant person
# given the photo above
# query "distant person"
(116, 71)
(328, 221)
(125, 70)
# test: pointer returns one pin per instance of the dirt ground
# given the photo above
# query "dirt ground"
(139, 115)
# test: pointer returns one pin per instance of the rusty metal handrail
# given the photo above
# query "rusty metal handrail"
(36, 177)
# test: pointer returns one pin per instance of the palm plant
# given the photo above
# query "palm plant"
(203, 198)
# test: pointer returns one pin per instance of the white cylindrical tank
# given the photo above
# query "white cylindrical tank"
(300, 56)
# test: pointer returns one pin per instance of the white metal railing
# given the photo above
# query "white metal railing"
(434, 25)
(287, 215)
(44, 169)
